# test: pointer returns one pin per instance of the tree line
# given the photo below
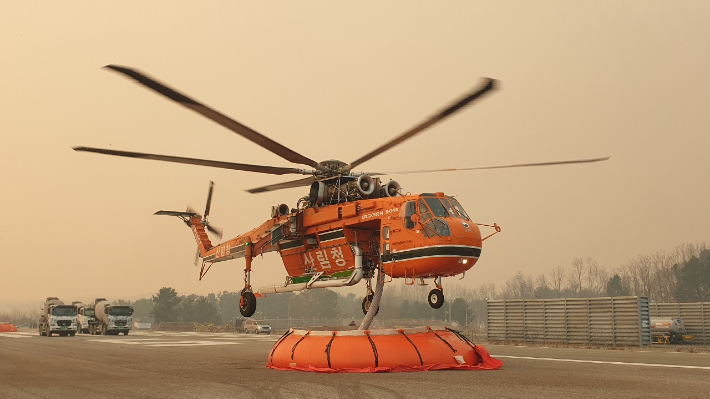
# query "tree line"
(679, 275)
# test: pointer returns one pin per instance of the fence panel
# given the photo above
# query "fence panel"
(695, 315)
(576, 321)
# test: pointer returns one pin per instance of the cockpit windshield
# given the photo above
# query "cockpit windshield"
(436, 207)
(459, 208)
(88, 312)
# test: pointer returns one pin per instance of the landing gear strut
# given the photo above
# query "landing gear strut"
(247, 301)
(436, 296)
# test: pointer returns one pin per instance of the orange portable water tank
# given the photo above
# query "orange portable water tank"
(376, 351)
(7, 327)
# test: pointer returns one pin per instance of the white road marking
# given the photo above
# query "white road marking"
(164, 339)
(604, 362)
(17, 335)
(165, 343)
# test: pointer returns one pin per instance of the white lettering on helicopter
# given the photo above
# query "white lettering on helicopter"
(197, 237)
(372, 215)
(308, 260)
(322, 256)
(379, 213)
(223, 250)
(325, 260)
(337, 255)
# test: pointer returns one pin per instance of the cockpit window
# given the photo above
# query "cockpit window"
(459, 208)
(410, 208)
(450, 208)
(424, 213)
(436, 227)
(437, 208)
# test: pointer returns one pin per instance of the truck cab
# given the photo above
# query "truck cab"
(57, 318)
(111, 319)
(85, 316)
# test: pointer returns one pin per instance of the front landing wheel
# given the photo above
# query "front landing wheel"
(436, 298)
(248, 304)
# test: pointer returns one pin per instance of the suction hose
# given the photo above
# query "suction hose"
(375, 305)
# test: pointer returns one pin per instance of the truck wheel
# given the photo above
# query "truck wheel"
(72, 334)
(49, 333)
(125, 333)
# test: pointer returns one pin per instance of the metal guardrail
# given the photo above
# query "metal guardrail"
(618, 321)
(696, 317)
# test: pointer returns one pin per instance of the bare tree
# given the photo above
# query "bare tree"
(577, 276)
(664, 276)
(601, 278)
(541, 282)
(591, 267)
(557, 275)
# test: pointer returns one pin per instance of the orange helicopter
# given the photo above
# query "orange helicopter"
(348, 226)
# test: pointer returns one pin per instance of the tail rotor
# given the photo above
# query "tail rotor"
(216, 231)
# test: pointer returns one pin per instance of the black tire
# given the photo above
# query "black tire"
(436, 298)
(72, 334)
(49, 333)
(125, 333)
(248, 306)
(366, 302)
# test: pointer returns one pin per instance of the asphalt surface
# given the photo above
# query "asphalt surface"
(212, 365)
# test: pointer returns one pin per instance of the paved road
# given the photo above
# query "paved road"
(204, 365)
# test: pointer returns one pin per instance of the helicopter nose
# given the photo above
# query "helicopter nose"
(466, 231)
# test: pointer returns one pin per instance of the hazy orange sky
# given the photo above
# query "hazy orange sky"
(579, 79)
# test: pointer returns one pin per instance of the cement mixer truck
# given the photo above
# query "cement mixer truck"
(85, 314)
(57, 318)
(110, 319)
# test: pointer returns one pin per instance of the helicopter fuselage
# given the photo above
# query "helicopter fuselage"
(411, 236)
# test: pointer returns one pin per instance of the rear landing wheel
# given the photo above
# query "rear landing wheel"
(366, 302)
(436, 298)
(248, 305)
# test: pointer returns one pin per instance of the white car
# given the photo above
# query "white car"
(256, 327)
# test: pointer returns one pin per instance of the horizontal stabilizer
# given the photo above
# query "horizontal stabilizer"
(175, 213)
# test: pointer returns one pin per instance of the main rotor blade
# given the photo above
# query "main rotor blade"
(489, 85)
(271, 170)
(217, 117)
(280, 186)
(493, 167)
(209, 200)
